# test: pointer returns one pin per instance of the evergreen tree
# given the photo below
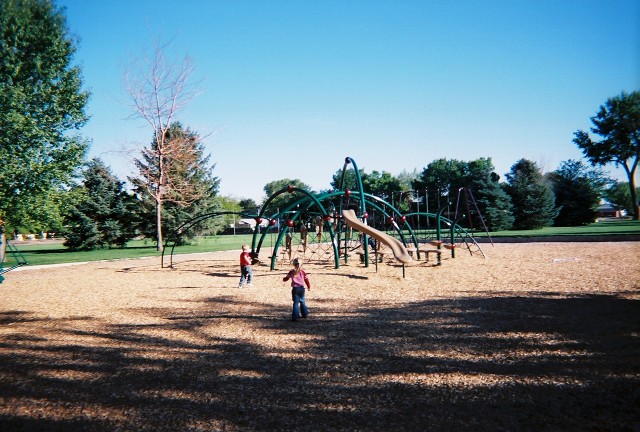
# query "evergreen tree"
(578, 191)
(185, 187)
(532, 197)
(82, 232)
(493, 203)
(102, 217)
(41, 103)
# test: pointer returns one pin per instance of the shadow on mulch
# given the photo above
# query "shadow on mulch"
(477, 363)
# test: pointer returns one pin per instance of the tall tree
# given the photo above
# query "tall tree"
(46, 211)
(407, 178)
(618, 123)
(381, 184)
(102, 217)
(248, 205)
(578, 190)
(618, 194)
(158, 90)
(349, 181)
(493, 203)
(532, 197)
(177, 180)
(41, 104)
(230, 204)
(281, 201)
(441, 180)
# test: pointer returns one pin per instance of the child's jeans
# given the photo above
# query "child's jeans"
(299, 305)
(246, 273)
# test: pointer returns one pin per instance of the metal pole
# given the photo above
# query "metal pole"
(426, 200)
(418, 204)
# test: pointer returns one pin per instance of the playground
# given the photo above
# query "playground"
(337, 225)
(530, 336)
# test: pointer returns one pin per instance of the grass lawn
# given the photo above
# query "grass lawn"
(55, 253)
(36, 253)
(605, 227)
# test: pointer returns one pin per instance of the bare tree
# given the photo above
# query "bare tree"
(158, 90)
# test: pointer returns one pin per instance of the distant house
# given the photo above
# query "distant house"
(248, 224)
(609, 211)
(245, 223)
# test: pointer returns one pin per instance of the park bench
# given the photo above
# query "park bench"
(372, 253)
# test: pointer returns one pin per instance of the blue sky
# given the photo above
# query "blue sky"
(290, 88)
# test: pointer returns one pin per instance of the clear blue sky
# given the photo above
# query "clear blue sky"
(290, 88)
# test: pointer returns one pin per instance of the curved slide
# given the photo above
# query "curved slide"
(396, 246)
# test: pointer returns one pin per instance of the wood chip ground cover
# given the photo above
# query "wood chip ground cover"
(537, 336)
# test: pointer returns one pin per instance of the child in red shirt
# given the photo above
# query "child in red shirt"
(246, 273)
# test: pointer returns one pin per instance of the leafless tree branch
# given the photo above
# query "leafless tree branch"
(158, 90)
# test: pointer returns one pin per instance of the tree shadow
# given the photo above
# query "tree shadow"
(503, 362)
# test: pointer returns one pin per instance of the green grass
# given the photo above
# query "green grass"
(606, 227)
(55, 253)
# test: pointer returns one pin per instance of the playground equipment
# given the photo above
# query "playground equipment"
(17, 260)
(469, 198)
(399, 250)
(322, 227)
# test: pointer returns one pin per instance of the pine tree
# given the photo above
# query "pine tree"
(493, 202)
(82, 232)
(102, 217)
(532, 197)
(578, 191)
(185, 188)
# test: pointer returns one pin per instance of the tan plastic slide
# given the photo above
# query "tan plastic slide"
(396, 246)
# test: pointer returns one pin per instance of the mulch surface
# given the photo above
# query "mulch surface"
(536, 336)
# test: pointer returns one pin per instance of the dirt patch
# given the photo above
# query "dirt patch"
(540, 336)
